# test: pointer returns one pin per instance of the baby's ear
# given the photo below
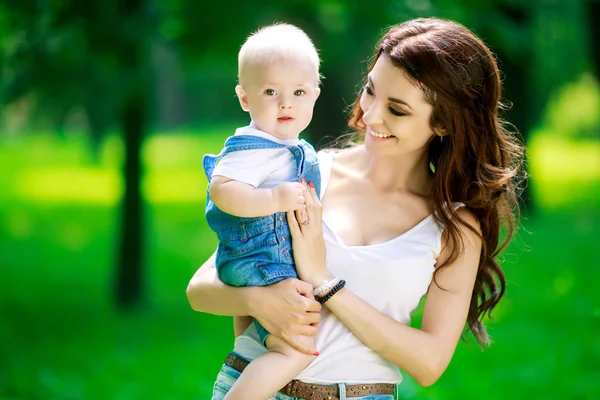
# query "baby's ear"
(242, 97)
(317, 93)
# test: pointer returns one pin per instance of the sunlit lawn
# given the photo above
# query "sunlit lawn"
(61, 339)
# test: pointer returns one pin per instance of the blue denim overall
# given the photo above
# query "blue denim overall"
(257, 251)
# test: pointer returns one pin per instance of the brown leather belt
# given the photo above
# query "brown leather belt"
(312, 391)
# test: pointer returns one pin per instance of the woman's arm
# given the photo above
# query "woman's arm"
(423, 353)
(206, 293)
(285, 309)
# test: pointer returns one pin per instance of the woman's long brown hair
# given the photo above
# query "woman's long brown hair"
(479, 160)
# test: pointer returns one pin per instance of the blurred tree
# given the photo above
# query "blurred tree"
(94, 55)
(594, 26)
(53, 52)
(515, 61)
(133, 62)
(593, 14)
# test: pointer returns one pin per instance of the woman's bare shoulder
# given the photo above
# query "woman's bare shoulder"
(468, 218)
(345, 157)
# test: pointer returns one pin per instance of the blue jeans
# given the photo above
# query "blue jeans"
(227, 376)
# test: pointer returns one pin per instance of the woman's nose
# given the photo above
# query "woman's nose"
(372, 116)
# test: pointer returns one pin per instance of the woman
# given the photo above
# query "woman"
(413, 206)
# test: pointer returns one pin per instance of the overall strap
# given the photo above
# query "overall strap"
(240, 143)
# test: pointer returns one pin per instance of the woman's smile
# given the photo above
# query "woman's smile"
(376, 136)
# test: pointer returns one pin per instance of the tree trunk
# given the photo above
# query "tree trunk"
(594, 27)
(129, 278)
(516, 69)
(133, 59)
(98, 105)
(518, 92)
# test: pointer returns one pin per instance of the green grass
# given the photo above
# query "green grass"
(60, 337)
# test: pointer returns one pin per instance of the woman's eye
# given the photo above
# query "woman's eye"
(396, 112)
(368, 90)
(299, 92)
(269, 92)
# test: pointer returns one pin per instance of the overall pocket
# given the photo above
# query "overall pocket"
(248, 236)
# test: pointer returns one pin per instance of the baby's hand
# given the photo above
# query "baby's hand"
(289, 196)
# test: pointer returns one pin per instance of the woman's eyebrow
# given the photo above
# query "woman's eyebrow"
(392, 99)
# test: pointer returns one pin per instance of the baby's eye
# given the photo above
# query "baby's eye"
(299, 92)
(270, 92)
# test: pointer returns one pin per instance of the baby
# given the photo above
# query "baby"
(258, 177)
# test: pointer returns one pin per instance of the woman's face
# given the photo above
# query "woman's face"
(396, 113)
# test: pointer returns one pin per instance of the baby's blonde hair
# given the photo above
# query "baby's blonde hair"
(273, 43)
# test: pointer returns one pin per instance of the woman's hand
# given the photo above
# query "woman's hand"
(286, 309)
(308, 244)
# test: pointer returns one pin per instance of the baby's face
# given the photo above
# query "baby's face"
(280, 96)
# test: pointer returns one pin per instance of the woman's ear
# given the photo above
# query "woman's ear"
(242, 97)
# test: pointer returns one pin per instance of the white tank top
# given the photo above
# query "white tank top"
(392, 276)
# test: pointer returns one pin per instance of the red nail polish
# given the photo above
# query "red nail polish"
(310, 185)
(316, 353)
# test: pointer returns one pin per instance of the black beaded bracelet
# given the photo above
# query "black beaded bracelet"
(333, 291)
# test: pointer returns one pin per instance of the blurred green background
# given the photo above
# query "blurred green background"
(107, 109)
